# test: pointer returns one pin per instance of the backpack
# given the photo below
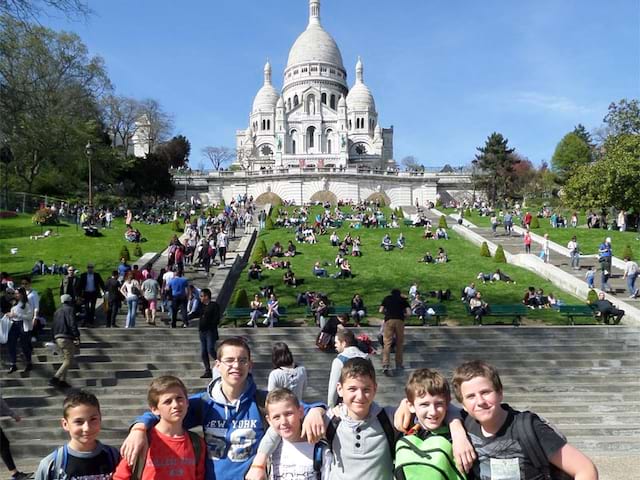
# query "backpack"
(325, 447)
(530, 443)
(364, 343)
(428, 458)
(58, 465)
(138, 466)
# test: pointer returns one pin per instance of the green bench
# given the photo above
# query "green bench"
(515, 311)
(244, 313)
(407, 222)
(440, 310)
(573, 311)
(333, 310)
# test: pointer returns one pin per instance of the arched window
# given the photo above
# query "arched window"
(350, 125)
(333, 102)
(268, 124)
(323, 98)
(292, 134)
(263, 125)
(311, 133)
(289, 104)
(329, 146)
(295, 100)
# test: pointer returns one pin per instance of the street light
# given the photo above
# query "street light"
(6, 157)
(89, 151)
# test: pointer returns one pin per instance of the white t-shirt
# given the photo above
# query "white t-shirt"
(294, 461)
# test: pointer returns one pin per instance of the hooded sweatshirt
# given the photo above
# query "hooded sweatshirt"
(336, 369)
(232, 430)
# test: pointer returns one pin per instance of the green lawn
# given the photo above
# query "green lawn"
(589, 239)
(70, 245)
(377, 271)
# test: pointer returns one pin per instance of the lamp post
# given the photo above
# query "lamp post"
(89, 152)
(6, 157)
(474, 165)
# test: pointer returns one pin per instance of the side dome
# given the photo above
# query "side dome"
(267, 97)
(360, 97)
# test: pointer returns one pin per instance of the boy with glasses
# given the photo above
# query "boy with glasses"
(230, 413)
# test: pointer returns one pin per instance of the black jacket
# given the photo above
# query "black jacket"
(210, 318)
(97, 282)
(64, 323)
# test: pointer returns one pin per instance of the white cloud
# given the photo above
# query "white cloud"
(552, 103)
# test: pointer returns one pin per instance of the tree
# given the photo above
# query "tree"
(120, 115)
(484, 250)
(154, 124)
(611, 181)
(496, 163)
(29, 10)
(623, 118)
(499, 257)
(411, 163)
(581, 132)
(218, 156)
(570, 153)
(158, 185)
(49, 87)
(176, 151)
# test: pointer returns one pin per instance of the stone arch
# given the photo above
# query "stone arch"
(324, 196)
(382, 197)
(268, 197)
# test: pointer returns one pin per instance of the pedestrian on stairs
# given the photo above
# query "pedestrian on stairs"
(208, 330)
(67, 338)
(5, 450)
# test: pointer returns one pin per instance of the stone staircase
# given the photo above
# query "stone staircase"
(584, 379)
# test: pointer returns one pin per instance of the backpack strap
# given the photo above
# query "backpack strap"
(261, 400)
(389, 432)
(332, 428)
(197, 446)
(58, 463)
(138, 465)
(526, 435)
(343, 358)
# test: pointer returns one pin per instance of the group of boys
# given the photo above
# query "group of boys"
(359, 438)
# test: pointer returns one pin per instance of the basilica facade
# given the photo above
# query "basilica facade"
(316, 120)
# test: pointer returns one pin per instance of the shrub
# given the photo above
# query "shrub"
(442, 223)
(484, 250)
(627, 252)
(176, 225)
(467, 212)
(138, 250)
(499, 256)
(222, 204)
(47, 304)
(45, 216)
(592, 296)
(438, 203)
(210, 212)
(241, 299)
(268, 225)
(259, 251)
(535, 223)
(399, 213)
(124, 253)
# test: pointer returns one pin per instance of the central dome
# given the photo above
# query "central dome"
(315, 45)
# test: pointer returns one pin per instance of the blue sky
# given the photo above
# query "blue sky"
(445, 74)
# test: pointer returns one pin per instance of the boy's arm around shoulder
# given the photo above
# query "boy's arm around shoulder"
(313, 426)
(575, 463)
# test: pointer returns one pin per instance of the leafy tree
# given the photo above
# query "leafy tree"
(47, 304)
(268, 224)
(535, 222)
(48, 107)
(611, 181)
(623, 118)
(496, 162)
(241, 299)
(627, 252)
(120, 115)
(218, 156)
(137, 251)
(158, 185)
(484, 250)
(442, 222)
(499, 257)
(570, 153)
(581, 132)
(176, 151)
(259, 251)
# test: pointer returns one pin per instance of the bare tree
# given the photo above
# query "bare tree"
(410, 163)
(154, 125)
(218, 156)
(120, 116)
(30, 10)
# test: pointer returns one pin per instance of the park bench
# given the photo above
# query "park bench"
(241, 313)
(407, 222)
(573, 311)
(515, 311)
(440, 310)
(333, 310)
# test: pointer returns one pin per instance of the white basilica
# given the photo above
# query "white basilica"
(317, 121)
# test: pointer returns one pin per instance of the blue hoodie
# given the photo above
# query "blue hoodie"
(232, 430)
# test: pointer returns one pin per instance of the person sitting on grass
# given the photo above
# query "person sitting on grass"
(355, 249)
(276, 250)
(358, 310)
(428, 233)
(334, 239)
(441, 234)
(318, 271)
(255, 272)
(291, 250)
(345, 270)
(442, 256)
(485, 277)
(289, 278)
(427, 258)
(386, 243)
(401, 241)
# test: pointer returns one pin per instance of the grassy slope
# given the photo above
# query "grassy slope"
(70, 245)
(589, 239)
(377, 271)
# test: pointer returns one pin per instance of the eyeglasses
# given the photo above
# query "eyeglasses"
(230, 362)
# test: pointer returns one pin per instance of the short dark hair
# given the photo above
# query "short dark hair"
(77, 398)
(472, 369)
(206, 292)
(358, 367)
(281, 356)
(233, 342)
